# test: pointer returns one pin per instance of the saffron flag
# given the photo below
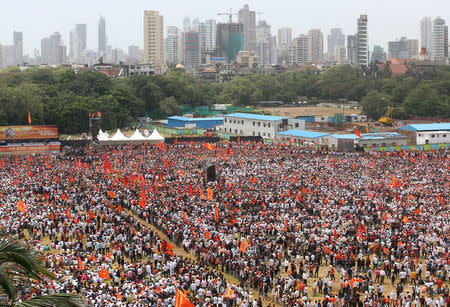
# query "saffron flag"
(327, 249)
(68, 214)
(181, 300)
(29, 117)
(166, 162)
(142, 200)
(202, 195)
(103, 274)
(80, 263)
(107, 165)
(358, 133)
(217, 214)
(210, 194)
(119, 209)
(243, 246)
(20, 206)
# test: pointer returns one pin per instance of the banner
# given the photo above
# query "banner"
(28, 132)
(29, 149)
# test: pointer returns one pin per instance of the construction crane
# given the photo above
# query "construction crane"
(387, 118)
(229, 14)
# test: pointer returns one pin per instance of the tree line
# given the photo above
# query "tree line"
(65, 98)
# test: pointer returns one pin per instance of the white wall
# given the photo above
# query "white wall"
(433, 137)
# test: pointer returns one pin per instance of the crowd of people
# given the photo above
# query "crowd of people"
(281, 225)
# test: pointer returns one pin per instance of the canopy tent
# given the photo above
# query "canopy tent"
(102, 136)
(155, 137)
(119, 138)
(138, 138)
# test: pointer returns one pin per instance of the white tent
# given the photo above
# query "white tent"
(119, 137)
(137, 137)
(155, 137)
(102, 136)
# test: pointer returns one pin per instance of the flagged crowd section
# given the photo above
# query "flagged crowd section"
(279, 224)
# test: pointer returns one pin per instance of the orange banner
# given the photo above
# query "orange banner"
(28, 132)
(28, 149)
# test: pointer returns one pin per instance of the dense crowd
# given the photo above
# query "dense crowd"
(281, 225)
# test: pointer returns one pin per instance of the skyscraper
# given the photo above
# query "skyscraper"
(315, 46)
(102, 40)
(248, 19)
(187, 24)
(18, 47)
(173, 45)
(440, 40)
(264, 42)
(61, 55)
(153, 38)
(207, 31)
(80, 30)
(191, 46)
(352, 50)
(299, 50)
(284, 36)
(335, 39)
(362, 41)
(378, 54)
(426, 35)
(229, 40)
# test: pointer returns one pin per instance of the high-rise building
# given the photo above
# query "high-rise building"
(299, 50)
(352, 57)
(153, 38)
(378, 54)
(229, 40)
(335, 38)
(426, 35)
(315, 46)
(248, 19)
(173, 45)
(62, 55)
(207, 31)
(50, 50)
(80, 30)
(187, 26)
(45, 50)
(362, 41)
(102, 40)
(133, 54)
(264, 43)
(18, 47)
(191, 46)
(440, 40)
(284, 36)
(403, 49)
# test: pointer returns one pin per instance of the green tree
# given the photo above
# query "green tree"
(267, 85)
(422, 101)
(90, 83)
(20, 266)
(170, 106)
(386, 72)
(339, 81)
(374, 104)
(241, 92)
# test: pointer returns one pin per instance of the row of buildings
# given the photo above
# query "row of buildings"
(293, 130)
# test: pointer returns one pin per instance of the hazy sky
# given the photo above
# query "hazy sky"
(388, 19)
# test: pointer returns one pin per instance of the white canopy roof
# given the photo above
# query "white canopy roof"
(102, 136)
(137, 136)
(119, 136)
(155, 136)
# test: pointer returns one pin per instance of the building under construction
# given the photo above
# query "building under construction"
(229, 40)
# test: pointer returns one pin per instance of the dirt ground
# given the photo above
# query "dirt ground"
(297, 111)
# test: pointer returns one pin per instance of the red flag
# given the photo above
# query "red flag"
(107, 165)
(63, 196)
(68, 214)
(417, 211)
(358, 133)
(181, 300)
(29, 118)
(207, 235)
(166, 162)
(217, 214)
(440, 198)
(91, 215)
(327, 249)
(303, 190)
(1, 163)
(20, 206)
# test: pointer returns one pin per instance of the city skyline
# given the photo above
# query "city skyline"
(125, 24)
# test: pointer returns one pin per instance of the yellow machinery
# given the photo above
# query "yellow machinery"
(387, 118)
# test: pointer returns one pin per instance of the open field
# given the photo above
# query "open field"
(297, 111)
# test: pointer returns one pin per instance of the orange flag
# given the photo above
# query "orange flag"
(303, 190)
(181, 300)
(80, 263)
(1, 163)
(29, 118)
(202, 195)
(20, 206)
(107, 165)
(103, 274)
(119, 209)
(68, 214)
(63, 196)
(207, 235)
(111, 194)
(417, 211)
(243, 246)
(210, 193)
(166, 162)
(440, 198)
(142, 200)
(327, 249)
(217, 214)
(91, 215)
(358, 133)
(405, 219)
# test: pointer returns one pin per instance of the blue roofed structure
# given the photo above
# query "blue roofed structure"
(200, 123)
(303, 134)
(427, 127)
(255, 116)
